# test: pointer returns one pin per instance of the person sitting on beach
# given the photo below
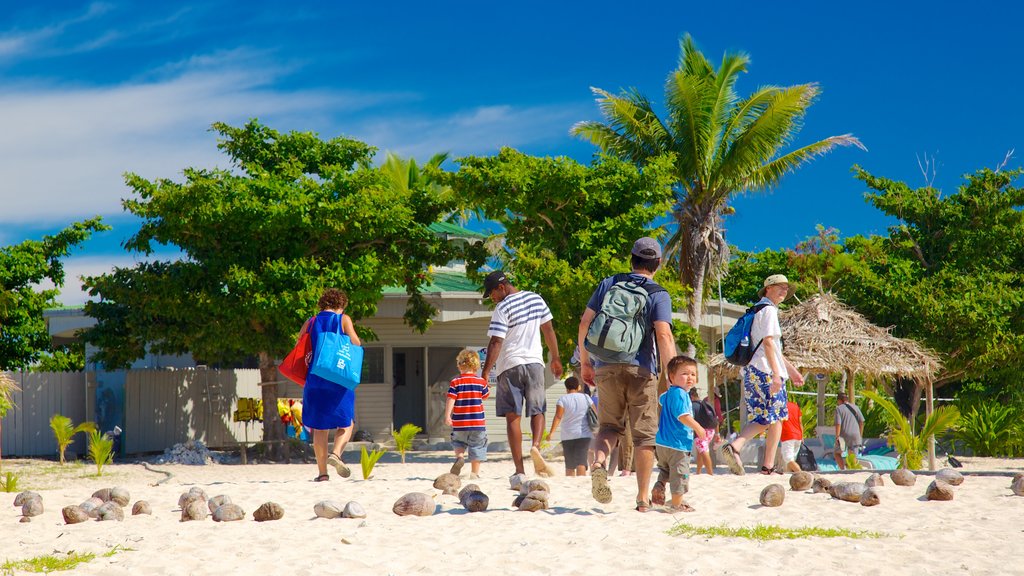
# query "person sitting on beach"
(849, 429)
(704, 414)
(464, 412)
(571, 412)
(763, 380)
(326, 405)
(676, 430)
(792, 437)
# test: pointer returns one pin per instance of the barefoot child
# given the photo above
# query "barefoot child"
(676, 428)
(464, 412)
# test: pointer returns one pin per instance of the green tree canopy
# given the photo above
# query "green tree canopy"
(24, 338)
(567, 225)
(260, 242)
(722, 145)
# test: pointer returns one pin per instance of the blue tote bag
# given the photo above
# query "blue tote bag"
(337, 360)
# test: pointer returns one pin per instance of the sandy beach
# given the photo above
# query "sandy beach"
(975, 533)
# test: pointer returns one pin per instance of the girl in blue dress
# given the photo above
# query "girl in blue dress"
(328, 406)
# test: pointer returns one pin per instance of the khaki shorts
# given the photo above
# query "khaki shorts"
(627, 395)
(673, 468)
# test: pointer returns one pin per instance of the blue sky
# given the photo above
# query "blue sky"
(90, 90)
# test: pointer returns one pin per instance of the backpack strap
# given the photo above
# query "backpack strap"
(647, 284)
(755, 309)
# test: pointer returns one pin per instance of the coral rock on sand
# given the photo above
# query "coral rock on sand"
(821, 485)
(773, 495)
(800, 481)
(939, 490)
(874, 480)
(268, 511)
(32, 507)
(228, 513)
(74, 515)
(327, 509)
(1017, 484)
(110, 511)
(195, 509)
(414, 504)
(91, 506)
(141, 507)
(448, 483)
(534, 485)
(903, 477)
(25, 496)
(25, 519)
(120, 495)
(870, 497)
(848, 491)
(950, 476)
(217, 502)
(353, 510)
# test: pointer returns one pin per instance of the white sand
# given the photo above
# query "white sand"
(979, 532)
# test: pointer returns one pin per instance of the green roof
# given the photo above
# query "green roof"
(455, 230)
(442, 282)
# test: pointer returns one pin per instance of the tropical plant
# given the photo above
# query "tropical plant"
(723, 145)
(7, 389)
(808, 415)
(10, 482)
(875, 418)
(101, 449)
(991, 429)
(911, 445)
(367, 460)
(64, 432)
(852, 463)
(404, 437)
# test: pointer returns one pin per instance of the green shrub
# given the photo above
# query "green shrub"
(404, 438)
(101, 449)
(990, 429)
(64, 432)
(368, 460)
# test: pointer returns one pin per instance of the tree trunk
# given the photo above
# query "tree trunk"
(273, 428)
(695, 310)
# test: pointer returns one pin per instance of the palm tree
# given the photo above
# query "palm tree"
(911, 445)
(722, 146)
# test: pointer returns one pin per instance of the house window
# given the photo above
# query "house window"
(373, 365)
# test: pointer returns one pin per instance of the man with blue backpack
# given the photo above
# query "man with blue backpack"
(755, 343)
(626, 331)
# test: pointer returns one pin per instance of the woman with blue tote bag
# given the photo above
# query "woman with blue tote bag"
(327, 405)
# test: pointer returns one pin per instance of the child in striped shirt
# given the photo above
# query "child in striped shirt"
(464, 412)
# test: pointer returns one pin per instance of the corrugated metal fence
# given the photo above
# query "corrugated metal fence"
(161, 408)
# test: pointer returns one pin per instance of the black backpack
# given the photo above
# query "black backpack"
(805, 459)
(705, 415)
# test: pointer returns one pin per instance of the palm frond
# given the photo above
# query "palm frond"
(692, 61)
(690, 102)
(728, 73)
(633, 131)
(742, 115)
(768, 175)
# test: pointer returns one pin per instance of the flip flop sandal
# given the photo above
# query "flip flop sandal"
(599, 487)
(322, 478)
(682, 507)
(732, 459)
(339, 466)
(642, 506)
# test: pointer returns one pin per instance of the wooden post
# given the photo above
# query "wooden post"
(850, 379)
(821, 402)
(928, 407)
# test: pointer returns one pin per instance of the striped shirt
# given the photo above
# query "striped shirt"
(468, 391)
(517, 319)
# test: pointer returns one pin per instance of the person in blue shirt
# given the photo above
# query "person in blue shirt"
(676, 429)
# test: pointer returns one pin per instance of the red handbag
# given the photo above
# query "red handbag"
(295, 365)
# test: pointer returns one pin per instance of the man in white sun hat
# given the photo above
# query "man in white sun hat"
(764, 378)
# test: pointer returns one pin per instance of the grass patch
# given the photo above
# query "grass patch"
(763, 532)
(55, 562)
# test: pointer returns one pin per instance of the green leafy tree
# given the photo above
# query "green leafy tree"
(23, 334)
(908, 443)
(566, 225)
(722, 146)
(261, 241)
(62, 358)
(64, 432)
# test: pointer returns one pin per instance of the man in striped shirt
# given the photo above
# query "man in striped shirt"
(515, 353)
(464, 412)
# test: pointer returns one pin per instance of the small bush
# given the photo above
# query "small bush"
(101, 449)
(404, 438)
(990, 429)
(367, 460)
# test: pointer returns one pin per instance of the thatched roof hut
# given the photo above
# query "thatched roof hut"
(824, 335)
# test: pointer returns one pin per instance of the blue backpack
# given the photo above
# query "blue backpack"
(737, 349)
